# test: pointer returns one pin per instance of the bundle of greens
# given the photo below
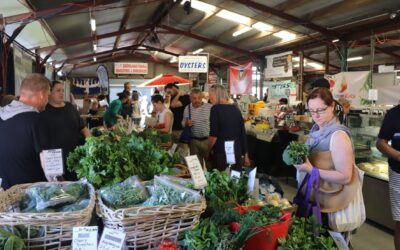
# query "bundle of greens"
(295, 153)
(109, 159)
(9, 241)
(222, 188)
(125, 194)
(302, 236)
(25, 232)
(54, 197)
(166, 192)
(155, 136)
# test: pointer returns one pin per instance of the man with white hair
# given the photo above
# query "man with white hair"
(22, 136)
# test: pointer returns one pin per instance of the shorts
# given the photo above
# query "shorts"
(394, 193)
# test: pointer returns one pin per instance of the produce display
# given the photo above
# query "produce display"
(295, 153)
(54, 197)
(110, 158)
(306, 234)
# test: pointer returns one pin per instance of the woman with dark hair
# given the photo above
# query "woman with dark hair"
(331, 151)
(113, 112)
(64, 126)
(164, 116)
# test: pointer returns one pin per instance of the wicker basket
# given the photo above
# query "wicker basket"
(57, 226)
(184, 171)
(145, 226)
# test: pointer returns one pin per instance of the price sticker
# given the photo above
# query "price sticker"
(112, 240)
(53, 162)
(84, 238)
(196, 171)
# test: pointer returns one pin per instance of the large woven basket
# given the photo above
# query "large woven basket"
(145, 226)
(57, 226)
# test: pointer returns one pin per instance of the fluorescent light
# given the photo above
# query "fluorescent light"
(94, 59)
(232, 16)
(296, 59)
(93, 24)
(354, 58)
(261, 26)
(198, 51)
(296, 65)
(60, 73)
(241, 31)
(174, 59)
(141, 47)
(202, 6)
(285, 35)
(94, 47)
(315, 65)
(335, 41)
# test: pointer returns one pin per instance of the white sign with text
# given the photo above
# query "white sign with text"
(193, 64)
(112, 239)
(53, 162)
(84, 238)
(196, 171)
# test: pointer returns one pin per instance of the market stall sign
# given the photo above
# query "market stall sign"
(196, 171)
(112, 239)
(84, 238)
(131, 68)
(193, 64)
(279, 65)
(53, 162)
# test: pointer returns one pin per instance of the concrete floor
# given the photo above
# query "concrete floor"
(369, 236)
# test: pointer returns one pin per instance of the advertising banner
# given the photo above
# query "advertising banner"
(193, 64)
(128, 68)
(352, 86)
(279, 65)
(240, 79)
(281, 89)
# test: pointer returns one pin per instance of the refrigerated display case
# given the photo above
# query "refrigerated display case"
(364, 126)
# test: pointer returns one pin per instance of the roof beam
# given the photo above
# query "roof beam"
(208, 40)
(124, 22)
(14, 35)
(387, 52)
(89, 39)
(42, 14)
(293, 19)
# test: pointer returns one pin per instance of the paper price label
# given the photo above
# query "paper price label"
(84, 238)
(230, 152)
(112, 240)
(196, 171)
(53, 162)
(251, 180)
(373, 94)
(172, 150)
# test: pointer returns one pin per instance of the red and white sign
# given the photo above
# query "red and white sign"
(240, 79)
(131, 68)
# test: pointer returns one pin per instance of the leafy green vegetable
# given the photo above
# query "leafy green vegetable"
(207, 236)
(295, 153)
(122, 195)
(9, 241)
(301, 236)
(109, 159)
(222, 188)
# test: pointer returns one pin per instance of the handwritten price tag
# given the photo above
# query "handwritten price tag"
(196, 171)
(53, 162)
(111, 240)
(84, 238)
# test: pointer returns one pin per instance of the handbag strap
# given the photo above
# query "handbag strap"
(190, 113)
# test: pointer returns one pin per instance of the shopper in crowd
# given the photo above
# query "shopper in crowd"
(179, 100)
(113, 112)
(22, 136)
(324, 83)
(64, 126)
(331, 152)
(197, 116)
(390, 132)
(127, 108)
(164, 116)
(226, 125)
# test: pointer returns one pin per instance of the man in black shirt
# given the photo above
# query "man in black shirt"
(22, 136)
(390, 131)
(179, 101)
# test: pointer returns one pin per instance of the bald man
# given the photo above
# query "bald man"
(22, 137)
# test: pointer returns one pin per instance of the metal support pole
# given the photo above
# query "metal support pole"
(300, 76)
(327, 60)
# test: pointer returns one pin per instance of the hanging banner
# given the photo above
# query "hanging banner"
(240, 79)
(279, 65)
(193, 64)
(131, 68)
(353, 86)
(281, 89)
(22, 66)
(102, 75)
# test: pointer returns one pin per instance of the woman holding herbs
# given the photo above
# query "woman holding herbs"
(331, 151)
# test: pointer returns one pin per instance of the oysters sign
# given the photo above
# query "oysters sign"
(193, 64)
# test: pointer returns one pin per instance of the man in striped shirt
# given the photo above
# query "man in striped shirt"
(197, 116)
